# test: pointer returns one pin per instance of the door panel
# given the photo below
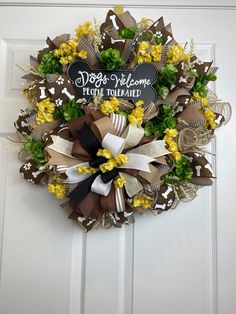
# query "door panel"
(181, 261)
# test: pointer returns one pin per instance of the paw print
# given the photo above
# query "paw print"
(199, 62)
(60, 80)
(159, 34)
(27, 166)
(58, 102)
(170, 202)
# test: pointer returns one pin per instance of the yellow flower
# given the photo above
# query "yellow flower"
(86, 170)
(46, 110)
(84, 30)
(204, 102)
(143, 45)
(147, 57)
(144, 58)
(139, 103)
(173, 147)
(171, 132)
(212, 124)
(210, 116)
(167, 139)
(140, 59)
(142, 201)
(143, 53)
(195, 96)
(63, 60)
(104, 153)
(109, 106)
(59, 189)
(185, 57)
(136, 116)
(119, 182)
(48, 117)
(82, 54)
(121, 159)
(67, 52)
(156, 51)
(108, 166)
(132, 119)
(177, 156)
(176, 53)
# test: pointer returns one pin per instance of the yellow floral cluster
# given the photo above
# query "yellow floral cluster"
(84, 30)
(142, 201)
(59, 189)
(196, 96)
(149, 53)
(136, 116)
(109, 106)
(46, 110)
(103, 152)
(67, 52)
(176, 54)
(119, 182)
(86, 170)
(120, 160)
(112, 162)
(209, 115)
(172, 145)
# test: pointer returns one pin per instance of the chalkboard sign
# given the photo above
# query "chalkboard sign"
(133, 84)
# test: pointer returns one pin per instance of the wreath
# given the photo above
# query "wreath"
(118, 120)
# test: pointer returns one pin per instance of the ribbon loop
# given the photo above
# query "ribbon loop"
(113, 143)
(89, 141)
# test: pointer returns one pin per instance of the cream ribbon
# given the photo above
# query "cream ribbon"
(132, 185)
(138, 162)
(113, 143)
(132, 135)
(153, 149)
(100, 187)
(73, 176)
(61, 146)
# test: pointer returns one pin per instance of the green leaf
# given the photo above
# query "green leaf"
(127, 33)
(69, 111)
(35, 148)
(164, 119)
(159, 40)
(111, 60)
(181, 170)
(201, 82)
(149, 128)
(166, 78)
(49, 65)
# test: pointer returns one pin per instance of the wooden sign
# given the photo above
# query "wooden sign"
(133, 84)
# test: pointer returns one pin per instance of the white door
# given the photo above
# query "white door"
(180, 262)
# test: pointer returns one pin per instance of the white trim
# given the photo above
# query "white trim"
(3, 184)
(171, 4)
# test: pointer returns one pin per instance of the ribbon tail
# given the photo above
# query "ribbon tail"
(137, 161)
(81, 191)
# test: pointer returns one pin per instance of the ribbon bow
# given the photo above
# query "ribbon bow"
(95, 190)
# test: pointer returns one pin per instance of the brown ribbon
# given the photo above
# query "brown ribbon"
(108, 203)
(103, 126)
(153, 177)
